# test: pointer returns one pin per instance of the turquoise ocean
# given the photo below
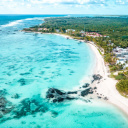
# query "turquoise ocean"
(30, 63)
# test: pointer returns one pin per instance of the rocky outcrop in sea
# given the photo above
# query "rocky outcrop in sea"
(56, 95)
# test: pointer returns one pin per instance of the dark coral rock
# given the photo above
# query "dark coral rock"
(86, 92)
(55, 100)
(5, 106)
(3, 101)
(97, 77)
(54, 114)
(22, 81)
(95, 87)
(74, 92)
(58, 96)
(16, 96)
(50, 96)
(90, 91)
(60, 99)
(99, 97)
(71, 98)
(92, 81)
(3, 92)
(105, 98)
(54, 91)
(86, 85)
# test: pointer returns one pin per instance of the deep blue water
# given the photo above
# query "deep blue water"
(31, 63)
(4, 19)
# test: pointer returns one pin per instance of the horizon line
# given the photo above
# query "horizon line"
(71, 14)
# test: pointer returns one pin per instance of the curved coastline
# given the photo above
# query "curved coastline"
(107, 85)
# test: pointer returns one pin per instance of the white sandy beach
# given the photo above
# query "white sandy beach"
(107, 85)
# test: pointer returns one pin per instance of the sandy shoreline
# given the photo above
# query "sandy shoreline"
(107, 85)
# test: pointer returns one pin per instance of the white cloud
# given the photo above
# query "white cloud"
(29, 5)
(55, 3)
(79, 2)
(123, 2)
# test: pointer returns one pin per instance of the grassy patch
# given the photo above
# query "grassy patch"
(100, 52)
(122, 87)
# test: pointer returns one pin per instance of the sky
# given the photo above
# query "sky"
(106, 7)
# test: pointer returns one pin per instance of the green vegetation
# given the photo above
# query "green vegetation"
(120, 76)
(122, 87)
(115, 28)
(109, 58)
(100, 52)
(116, 67)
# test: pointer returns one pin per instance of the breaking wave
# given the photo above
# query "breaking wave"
(12, 23)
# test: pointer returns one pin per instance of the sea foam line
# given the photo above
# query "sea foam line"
(13, 23)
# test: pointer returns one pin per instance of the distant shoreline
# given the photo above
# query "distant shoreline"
(107, 85)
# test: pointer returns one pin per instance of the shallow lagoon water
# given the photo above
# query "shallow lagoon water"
(75, 114)
(31, 63)
(43, 61)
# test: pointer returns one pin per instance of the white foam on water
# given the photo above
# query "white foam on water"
(43, 93)
(36, 18)
(12, 23)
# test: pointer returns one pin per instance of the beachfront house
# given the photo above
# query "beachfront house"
(121, 60)
(94, 34)
(82, 33)
(43, 29)
(70, 30)
(40, 29)
(121, 54)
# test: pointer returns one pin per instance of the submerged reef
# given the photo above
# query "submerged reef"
(28, 106)
(37, 104)
(5, 105)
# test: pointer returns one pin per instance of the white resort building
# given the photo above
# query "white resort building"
(70, 30)
(121, 54)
